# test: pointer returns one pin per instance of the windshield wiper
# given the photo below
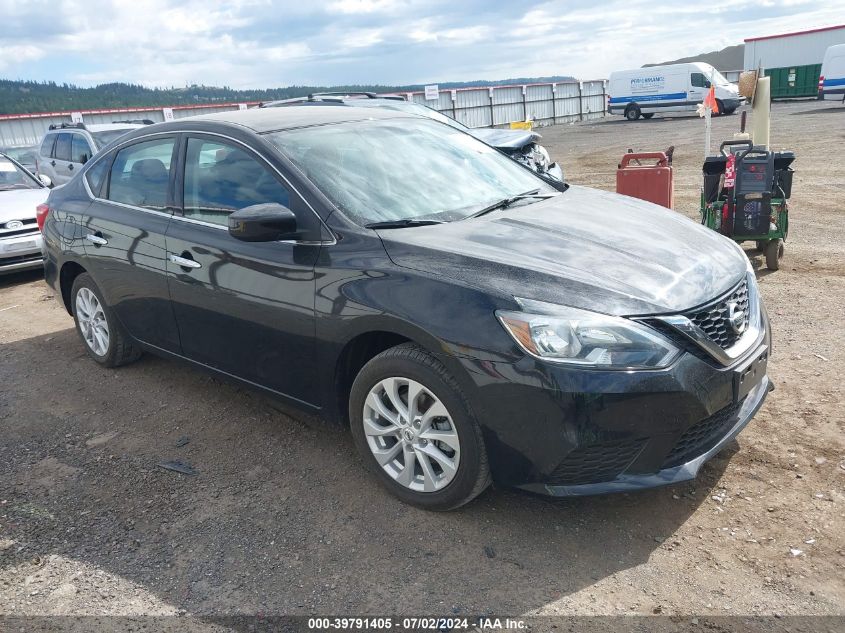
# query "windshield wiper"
(401, 224)
(504, 203)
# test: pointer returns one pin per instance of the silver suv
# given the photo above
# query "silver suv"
(68, 146)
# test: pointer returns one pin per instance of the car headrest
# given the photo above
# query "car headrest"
(149, 169)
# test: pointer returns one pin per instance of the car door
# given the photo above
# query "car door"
(698, 86)
(80, 152)
(46, 156)
(124, 234)
(61, 163)
(244, 308)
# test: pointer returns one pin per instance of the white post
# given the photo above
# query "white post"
(706, 132)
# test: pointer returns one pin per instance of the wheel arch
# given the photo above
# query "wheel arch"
(368, 342)
(67, 275)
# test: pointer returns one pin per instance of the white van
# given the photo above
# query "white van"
(670, 88)
(832, 80)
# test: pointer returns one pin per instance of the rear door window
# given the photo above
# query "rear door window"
(80, 150)
(63, 146)
(222, 178)
(47, 146)
(140, 174)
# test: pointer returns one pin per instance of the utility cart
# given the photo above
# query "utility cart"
(745, 194)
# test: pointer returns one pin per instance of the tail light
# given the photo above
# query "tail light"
(41, 212)
(821, 82)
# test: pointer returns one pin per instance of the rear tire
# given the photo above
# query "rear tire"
(101, 333)
(774, 253)
(648, 115)
(387, 420)
(761, 245)
(632, 112)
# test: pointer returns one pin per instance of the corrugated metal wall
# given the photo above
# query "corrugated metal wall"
(797, 49)
(497, 106)
(28, 129)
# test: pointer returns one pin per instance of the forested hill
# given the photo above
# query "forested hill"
(33, 96)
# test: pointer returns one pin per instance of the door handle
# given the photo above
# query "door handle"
(70, 167)
(185, 262)
(96, 240)
(53, 163)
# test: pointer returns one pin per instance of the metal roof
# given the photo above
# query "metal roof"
(772, 37)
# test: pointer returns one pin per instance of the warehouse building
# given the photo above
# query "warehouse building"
(792, 60)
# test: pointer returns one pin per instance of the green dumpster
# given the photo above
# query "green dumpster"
(795, 81)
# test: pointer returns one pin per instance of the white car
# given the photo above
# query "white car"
(20, 236)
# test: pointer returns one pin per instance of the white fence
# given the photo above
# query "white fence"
(494, 106)
(545, 104)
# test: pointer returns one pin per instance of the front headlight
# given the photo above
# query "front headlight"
(577, 337)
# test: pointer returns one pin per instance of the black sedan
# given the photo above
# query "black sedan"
(468, 320)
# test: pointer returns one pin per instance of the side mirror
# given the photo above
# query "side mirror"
(268, 222)
(83, 159)
(45, 180)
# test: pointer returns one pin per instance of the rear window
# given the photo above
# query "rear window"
(107, 136)
(47, 145)
(63, 147)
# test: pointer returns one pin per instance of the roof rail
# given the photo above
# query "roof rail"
(135, 121)
(369, 95)
(63, 126)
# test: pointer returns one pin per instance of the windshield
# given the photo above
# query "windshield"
(13, 177)
(24, 155)
(719, 79)
(107, 136)
(397, 169)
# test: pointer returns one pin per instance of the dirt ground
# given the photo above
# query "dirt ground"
(283, 519)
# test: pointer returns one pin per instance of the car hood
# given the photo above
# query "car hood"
(19, 204)
(505, 139)
(586, 248)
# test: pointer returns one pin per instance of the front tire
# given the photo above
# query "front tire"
(415, 430)
(104, 338)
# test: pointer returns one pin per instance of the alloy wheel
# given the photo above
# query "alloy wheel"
(411, 434)
(92, 321)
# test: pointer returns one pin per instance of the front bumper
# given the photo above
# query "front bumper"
(684, 472)
(561, 431)
(21, 252)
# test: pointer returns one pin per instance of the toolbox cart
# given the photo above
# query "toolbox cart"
(745, 194)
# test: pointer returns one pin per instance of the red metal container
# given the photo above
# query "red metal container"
(652, 182)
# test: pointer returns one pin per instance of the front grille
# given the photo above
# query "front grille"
(714, 319)
(29, 226)
(702, 436)
(596, 463)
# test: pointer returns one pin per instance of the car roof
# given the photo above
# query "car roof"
(262, 120)
(105, 127)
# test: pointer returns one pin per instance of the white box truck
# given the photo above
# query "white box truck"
(669, 88)
(832, 79)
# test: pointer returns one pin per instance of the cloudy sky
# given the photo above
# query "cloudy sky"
(263, 43)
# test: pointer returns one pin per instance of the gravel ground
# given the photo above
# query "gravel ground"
(282, 518)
